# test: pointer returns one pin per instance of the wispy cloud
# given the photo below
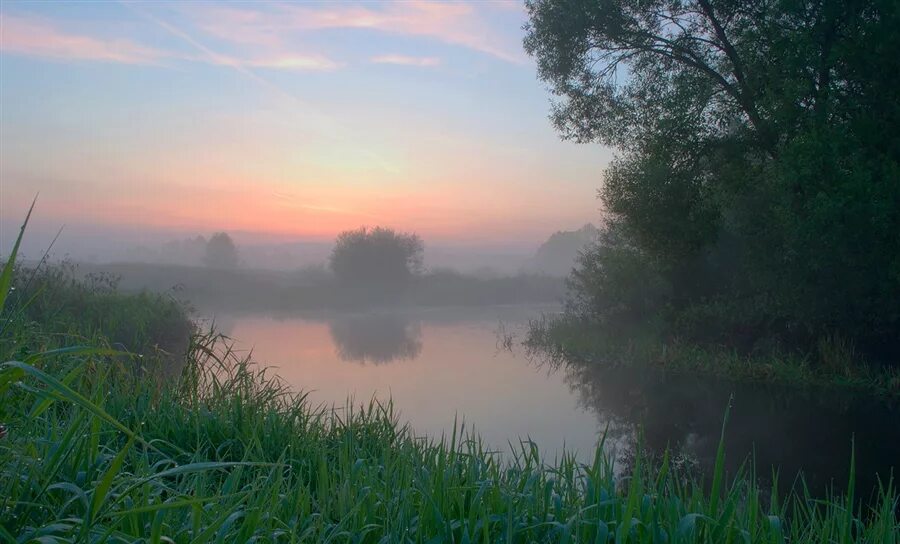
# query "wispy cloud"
(309, 114)
(39, 37)
(295, 62)
(406, 60)
(32, 36)
(453, 23)
(266, 35)
(325, 124)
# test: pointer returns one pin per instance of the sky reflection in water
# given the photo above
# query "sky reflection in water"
(437, 365)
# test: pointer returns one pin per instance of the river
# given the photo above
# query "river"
(441, 366)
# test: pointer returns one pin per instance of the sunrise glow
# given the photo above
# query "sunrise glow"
(289, 121)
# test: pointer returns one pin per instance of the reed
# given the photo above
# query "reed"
(225, 453)
(101, 446)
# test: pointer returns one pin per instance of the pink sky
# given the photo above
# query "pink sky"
(290, 121)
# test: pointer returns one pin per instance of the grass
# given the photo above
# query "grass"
(91, 310)
(101, 447)
(833, 365)
(225, 453)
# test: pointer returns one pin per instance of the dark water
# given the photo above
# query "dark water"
(438, 365)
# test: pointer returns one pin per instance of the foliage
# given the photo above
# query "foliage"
(558, 254)
(758, 157)
(220, 251)
(376, 257)
(227, 454)
(78, 310)
(97, 447)
(832, 366)
(614, 281)
(49, 307)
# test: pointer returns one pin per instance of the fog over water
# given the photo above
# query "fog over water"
(435, 365)
(443, 364)
(646, 253)
(104, 246)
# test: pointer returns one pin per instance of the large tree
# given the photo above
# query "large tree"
(559, 253)
(220, 251)
(376, 257)
(759, 149)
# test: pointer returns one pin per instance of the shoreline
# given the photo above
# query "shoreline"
(565, 338)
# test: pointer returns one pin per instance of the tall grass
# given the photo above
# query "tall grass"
(100, 448)
(90, 309)
(226, 453)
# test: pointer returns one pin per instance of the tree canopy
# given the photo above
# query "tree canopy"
(759, 155)
(377, 256)
(220, 251)
(559, 253)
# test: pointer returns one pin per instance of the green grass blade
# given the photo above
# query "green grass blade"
(6, 276)
(102, 489)
(719, 469)
(74, 397)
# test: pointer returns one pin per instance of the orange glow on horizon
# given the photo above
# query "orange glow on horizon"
(318, 213)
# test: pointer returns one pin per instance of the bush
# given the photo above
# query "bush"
(376, 257)
(220, 251)
(615, 281)
(80, 310)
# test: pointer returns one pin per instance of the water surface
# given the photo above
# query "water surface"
(438, 365)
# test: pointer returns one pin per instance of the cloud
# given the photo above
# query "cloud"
(405, 60)
(266, 35)
(290, 62)
(296, 62)
(453, 23)
(238, 25)
(36, 37)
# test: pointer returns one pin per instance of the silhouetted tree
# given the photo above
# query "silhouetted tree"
(757, 161)
(220, 251)
(557, 255)
(377, 256)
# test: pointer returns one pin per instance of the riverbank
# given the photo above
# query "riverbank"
(559, 337)
(243, 289)
(100, 444)
(226, 453)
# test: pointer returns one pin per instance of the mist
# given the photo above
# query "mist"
(449, 271)
(216, 271)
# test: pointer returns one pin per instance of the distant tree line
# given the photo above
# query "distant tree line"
(755, 197)
(217, 251)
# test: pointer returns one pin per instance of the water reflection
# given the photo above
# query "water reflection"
(375, 338)
(786, 430)
(458, 374)
(445, 367)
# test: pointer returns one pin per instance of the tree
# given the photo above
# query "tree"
(559, 253)
(376, 257)
(220, 251)
(758, 154)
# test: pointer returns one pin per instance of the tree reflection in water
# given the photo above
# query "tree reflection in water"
(376, 338)
(788, 430)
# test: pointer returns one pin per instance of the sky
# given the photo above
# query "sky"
(280, 121)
